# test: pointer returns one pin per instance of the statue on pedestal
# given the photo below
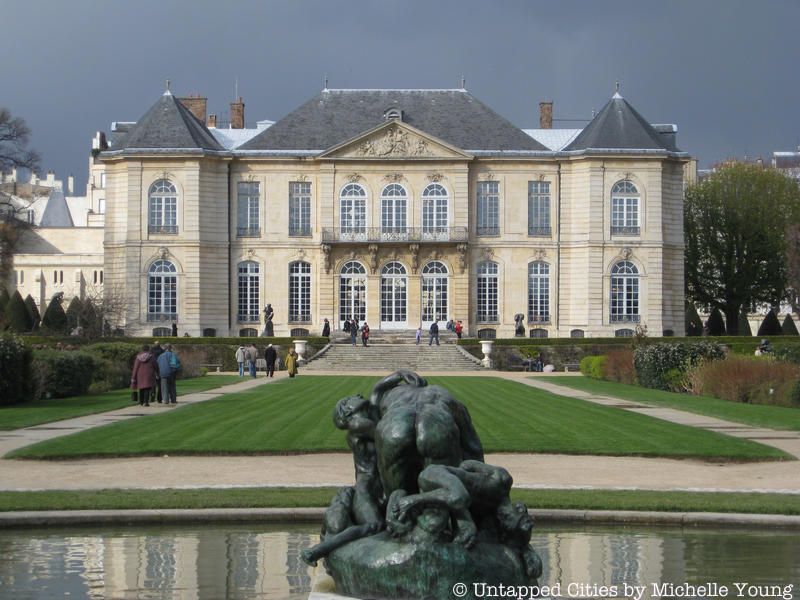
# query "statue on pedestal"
(269, 330)
(425, 512)
(519, 319)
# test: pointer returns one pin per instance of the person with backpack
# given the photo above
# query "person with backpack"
(434, 333)
(168, 367)
(365, 334)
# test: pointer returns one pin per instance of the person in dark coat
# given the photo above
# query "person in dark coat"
(168, 367)
(365, 334)
(270, 355)
(326, 329)
(434, 333)
(157, 351)
(143, 377)
(174, 330)
(346, 326)
(353, 331)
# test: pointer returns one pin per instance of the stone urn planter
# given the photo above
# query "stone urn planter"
(486, 348)
(300, 348)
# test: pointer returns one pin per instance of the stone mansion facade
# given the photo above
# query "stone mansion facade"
(398, 207)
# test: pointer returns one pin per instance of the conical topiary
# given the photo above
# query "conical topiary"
(788, 327)
(770, 325)
(716, 324)
(33, 311)
(4, 298)
(17, 316)
(55, 319)
(744, 325)
(694, 325)
(74, 311)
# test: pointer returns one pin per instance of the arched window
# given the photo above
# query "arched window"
(394, 296)
(538, 333)
(434, 213)
(538, 292)
(352, 292)
(624, 209)
(162, 332)
(624, 333)
(162, 291)
(624, 293)
(248, 286)
(434, 293)
(577, 333)
(299, 292)
(394, 212)
(487, 293)
(353, 212)
(163, 207)
(248, 332)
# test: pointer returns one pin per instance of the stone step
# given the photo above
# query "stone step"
(388, 357)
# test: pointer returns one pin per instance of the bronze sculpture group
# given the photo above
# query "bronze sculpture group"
(425, 512)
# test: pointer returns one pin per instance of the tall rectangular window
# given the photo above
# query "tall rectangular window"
(539, 208)
(248, 305)
(487, 293)
(299, 208)
(247, 209)
(488, 208)
(299, 292)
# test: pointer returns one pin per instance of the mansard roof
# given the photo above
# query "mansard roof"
(618, 126)
(453, 116)
(168, 125)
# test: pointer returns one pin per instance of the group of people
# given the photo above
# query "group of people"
(249, 355)
(351, 326)
(456, 327)
(154, 373)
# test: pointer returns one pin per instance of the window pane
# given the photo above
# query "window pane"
(488, 208)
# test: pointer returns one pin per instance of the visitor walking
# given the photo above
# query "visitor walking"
(326, 329)
(270, 355)
(419, 334)
(157, 351)
(174, 330)
(252, 355)
(365, 334)
(353, 331)
(168, 367)
(143, 376)
(459, 328)
(291, 362)
(240, 358)
(434, 333)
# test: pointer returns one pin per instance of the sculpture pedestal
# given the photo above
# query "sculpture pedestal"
(323, 587)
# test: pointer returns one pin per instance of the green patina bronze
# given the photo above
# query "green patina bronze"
(425, 513)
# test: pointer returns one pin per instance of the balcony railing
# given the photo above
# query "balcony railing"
(299, 318)
(543, 319)
(300, 230)
(155, 317)
(161, 229)
(394, 234)
(248, 318)
(488, 318)
(540, 231)
(488, 231)
(625, 230)
(248, 231)
(625, 318)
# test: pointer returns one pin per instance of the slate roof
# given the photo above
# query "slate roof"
(168, 125)
(618, 126)
(56, 213)
(335, 116)
(554, 139)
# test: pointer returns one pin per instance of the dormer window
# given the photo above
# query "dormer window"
(393, 113)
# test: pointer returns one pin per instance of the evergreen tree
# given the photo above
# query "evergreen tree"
(744, 325)
(770, 325)
(55, 319)
(694, 325)
(788, 327)
(17, 316)
(716, 324)
(4, 298)
(33, 311)
(74, 313)
(90, 320)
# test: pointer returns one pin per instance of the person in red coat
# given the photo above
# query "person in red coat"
(143, 377)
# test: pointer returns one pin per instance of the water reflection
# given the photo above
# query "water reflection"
(263, 562)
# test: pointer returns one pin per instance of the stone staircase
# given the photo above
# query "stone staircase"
(389, 351)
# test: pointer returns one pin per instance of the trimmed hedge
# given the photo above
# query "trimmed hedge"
(17, 316)
(16, 380)
(55, 319)
(33, 311)
(594, 366)
(60, 374)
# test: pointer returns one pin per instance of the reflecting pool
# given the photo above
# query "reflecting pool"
(262, 561)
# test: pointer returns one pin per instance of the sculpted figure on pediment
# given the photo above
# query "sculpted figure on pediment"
(395, 142)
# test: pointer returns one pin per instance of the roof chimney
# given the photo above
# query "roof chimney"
(545, 115)
(212, 121)
(70, 185)
(237, 114)
(196, 105)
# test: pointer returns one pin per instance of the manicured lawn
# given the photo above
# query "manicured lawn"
(294, 416)
(774, 417)
(785, 504)
(46, 411)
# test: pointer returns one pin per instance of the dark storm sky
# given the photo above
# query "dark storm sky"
(726, 71)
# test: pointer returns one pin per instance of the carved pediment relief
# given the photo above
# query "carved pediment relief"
(394, 141)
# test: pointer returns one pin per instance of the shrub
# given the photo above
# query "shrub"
(744, 325)
(748, 379)
(33, 311)
(716, 324)
(770, 325)
(694, 326)
(16, 382)
(4, 298)
(593, 366)
(55, 319)
(17, 316)
(654, 362)
(788, 327)
(619, 366)
(115, 352)
(74, 313)
(63, 373)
